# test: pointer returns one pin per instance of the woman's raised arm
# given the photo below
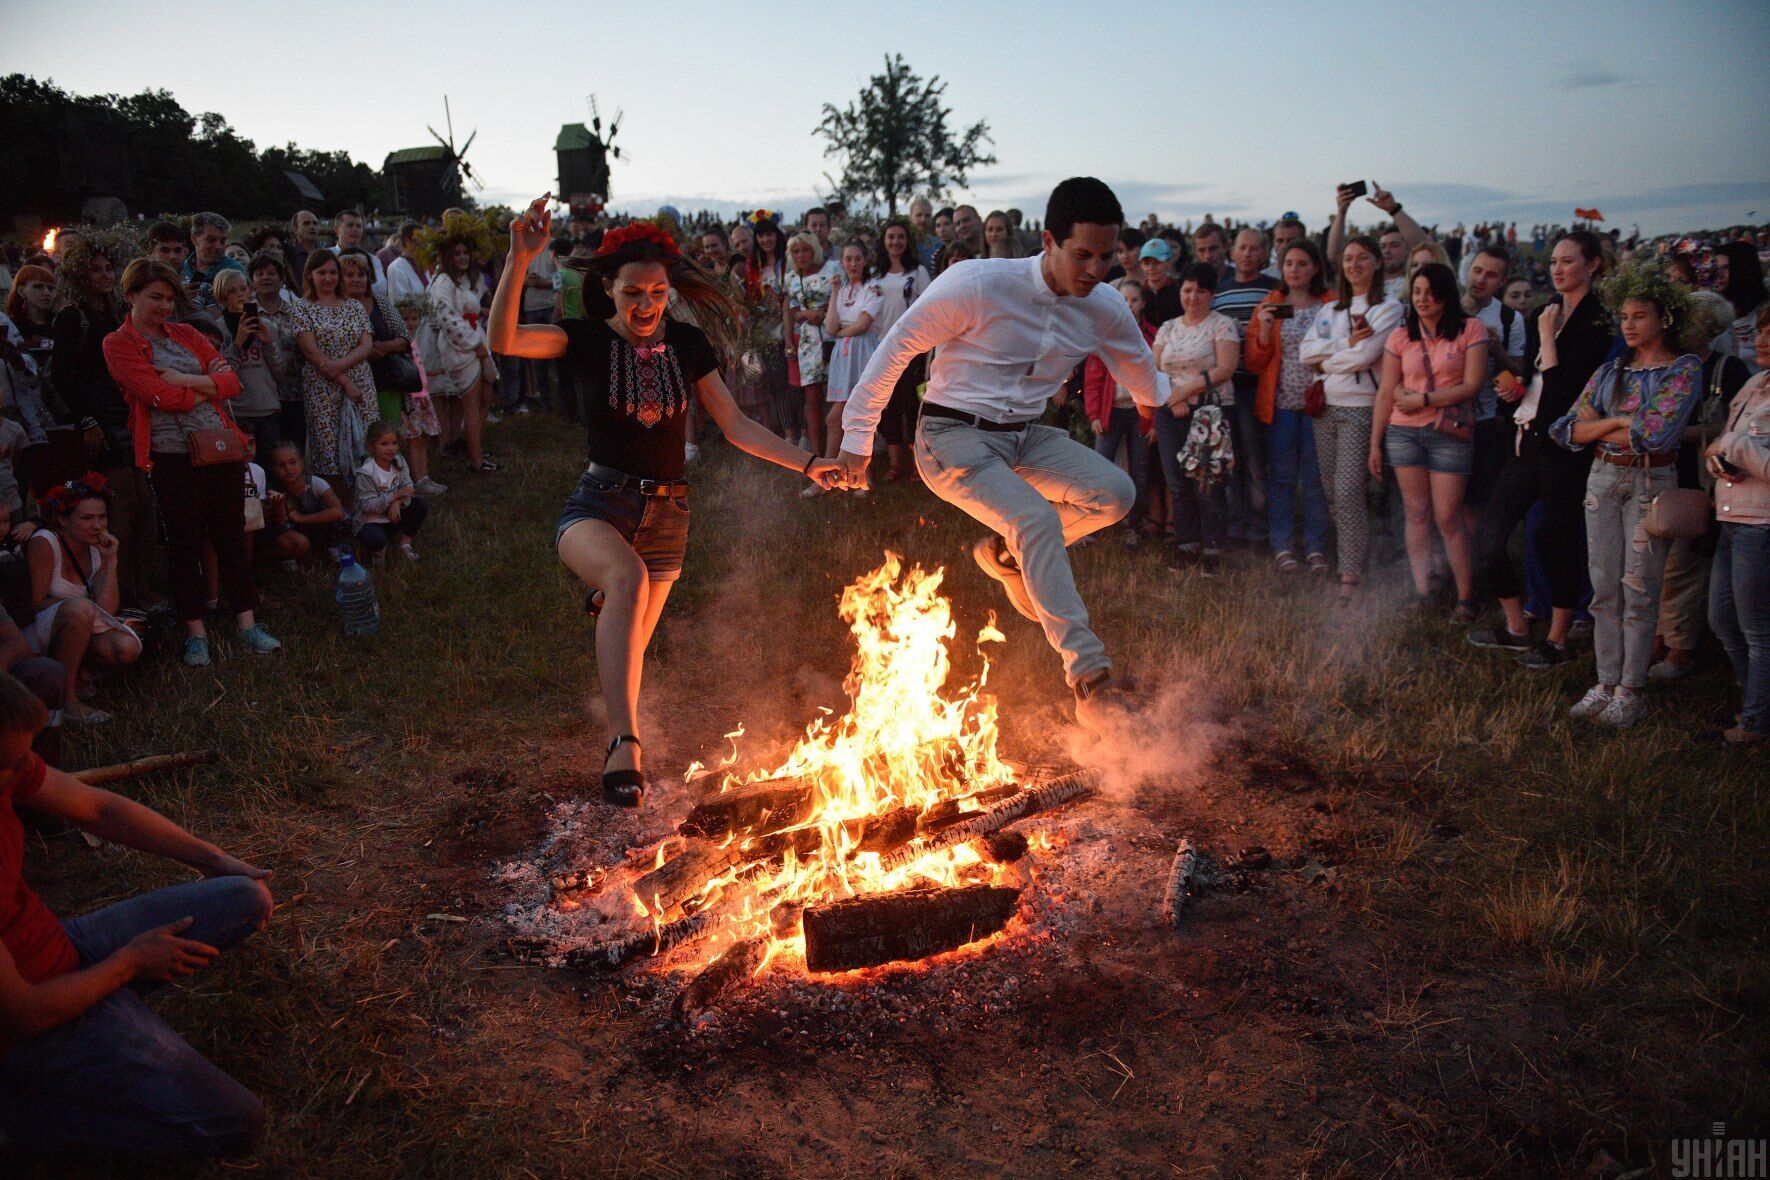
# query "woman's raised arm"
(530, 233)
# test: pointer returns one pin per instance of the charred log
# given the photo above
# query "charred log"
(767, 806)
(608, 955)
(1004, 848)
(729, 970)
(906, 925)
(993, 819)
(1182, 882)
(676, 880)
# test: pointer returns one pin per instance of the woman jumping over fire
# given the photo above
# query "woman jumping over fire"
(625, 527)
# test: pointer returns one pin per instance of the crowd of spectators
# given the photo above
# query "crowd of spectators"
(1351, 398)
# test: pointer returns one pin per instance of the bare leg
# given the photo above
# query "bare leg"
(1416, 498)
(474, 407)
(814, 416)
(595, 552)
(1453, 526)
(418, 450)
(833, 430)
(69, 637)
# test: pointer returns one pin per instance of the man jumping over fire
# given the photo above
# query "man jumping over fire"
(1006, 334)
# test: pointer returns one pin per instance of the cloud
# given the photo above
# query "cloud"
(1445, 203)
(1589, 76)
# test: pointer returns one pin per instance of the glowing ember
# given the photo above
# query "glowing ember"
(49, 240)
(808, 831)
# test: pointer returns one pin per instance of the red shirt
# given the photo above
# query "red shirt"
(27, 929)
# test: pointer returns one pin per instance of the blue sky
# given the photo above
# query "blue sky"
(1467, 111)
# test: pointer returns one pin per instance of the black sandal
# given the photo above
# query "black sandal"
(593, 603)
(621, 788)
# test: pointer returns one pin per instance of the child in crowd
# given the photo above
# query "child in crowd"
(387, 503)
(418, 423)
(310, 506)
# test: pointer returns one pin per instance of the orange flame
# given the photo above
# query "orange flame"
(903, 743)
(49, 240)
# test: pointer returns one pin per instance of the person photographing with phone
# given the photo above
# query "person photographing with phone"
(247, 345)
(1396, 243)
(1007, 332)
(625, 526)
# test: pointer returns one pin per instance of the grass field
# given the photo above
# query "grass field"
(1608, 889)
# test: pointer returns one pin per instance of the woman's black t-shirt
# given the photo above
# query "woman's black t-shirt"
(636, 400)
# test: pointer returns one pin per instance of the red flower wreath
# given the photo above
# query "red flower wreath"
(639, 231)
(63, 497)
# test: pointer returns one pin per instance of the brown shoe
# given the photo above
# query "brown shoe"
(994, 561)
(1104, 704)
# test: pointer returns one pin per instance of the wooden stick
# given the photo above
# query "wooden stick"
(145, 765)
(909, 924)
(606, 956)
(729, 970)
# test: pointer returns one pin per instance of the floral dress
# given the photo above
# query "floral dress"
(334, 424)
(460, 329)
(808, 293)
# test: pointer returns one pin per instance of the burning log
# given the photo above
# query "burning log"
(610, 954)
(767, 806)
(1182, 882)
(732, 968)
(908, 924)
(1028, 802)
(948, 811)
(681, 878)
(152, 762)
(1005, 847)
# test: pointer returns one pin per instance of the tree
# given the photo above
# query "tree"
(893, 139)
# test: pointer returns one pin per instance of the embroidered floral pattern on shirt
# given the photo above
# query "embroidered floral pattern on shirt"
(645, 382)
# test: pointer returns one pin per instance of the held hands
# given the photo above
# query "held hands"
(532, 229)
(854, 470)
(161, 955)
(827, 474)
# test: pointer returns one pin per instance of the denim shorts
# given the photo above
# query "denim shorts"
(1428, 447)
(656, 526)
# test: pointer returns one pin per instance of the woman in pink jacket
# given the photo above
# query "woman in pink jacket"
(1739, 583)
(177, 387)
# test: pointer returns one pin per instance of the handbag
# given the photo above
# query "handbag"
(1315, 398)
(1456, 421)
(254, 506)
(215, 445)
(1679, 514)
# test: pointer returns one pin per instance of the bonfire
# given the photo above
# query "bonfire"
(884, 834)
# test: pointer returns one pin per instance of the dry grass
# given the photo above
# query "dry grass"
(1573, 857)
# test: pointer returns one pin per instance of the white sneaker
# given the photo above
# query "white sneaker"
(812, 491)
(429, 487)
(1596, 700)
(1666, 670)
(1624, 709)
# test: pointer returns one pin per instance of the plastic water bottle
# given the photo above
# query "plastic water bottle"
(355, 594)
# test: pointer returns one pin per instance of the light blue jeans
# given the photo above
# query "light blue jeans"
(1739, 611)
(117, 1077)
(1040, 490)
(1627, 568)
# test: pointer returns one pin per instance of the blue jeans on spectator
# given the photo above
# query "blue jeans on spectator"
(1247, 483)
(117, 1076)
(1292, 440)
(1739, 612)
(1125, 428)
(1536, 573)
(372, 538)
(512, 370)
(1200, 515)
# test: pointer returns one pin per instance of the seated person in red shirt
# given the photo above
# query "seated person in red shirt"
(84, 1063)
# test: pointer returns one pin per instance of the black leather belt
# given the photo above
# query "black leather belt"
(973, 419)
(632, 483)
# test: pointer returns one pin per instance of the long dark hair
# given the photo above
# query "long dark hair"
(1377, 294)
(882, 256)
(717, 313)
(1745, 277)
(780, 252)
(1443, 282)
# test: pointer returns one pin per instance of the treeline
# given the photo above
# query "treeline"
(58, 151)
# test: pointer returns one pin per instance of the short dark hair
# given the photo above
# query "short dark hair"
(1202, 273)
(356, 213)
(1496, 249)
(1211, 229)
(1296, 221)
(20, 709)
(1176, 239)
(266, 258)
(1132, 236)
(167, 231)
(314, 261)
(944, 211)
(1081, 199)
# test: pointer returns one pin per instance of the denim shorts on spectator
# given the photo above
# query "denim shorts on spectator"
(656, 526)
(1428, 447)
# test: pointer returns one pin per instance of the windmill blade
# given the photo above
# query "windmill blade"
(448, 115)
(438, 138)
(469, 142)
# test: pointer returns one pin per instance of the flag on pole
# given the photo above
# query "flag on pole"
(1588, 214)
